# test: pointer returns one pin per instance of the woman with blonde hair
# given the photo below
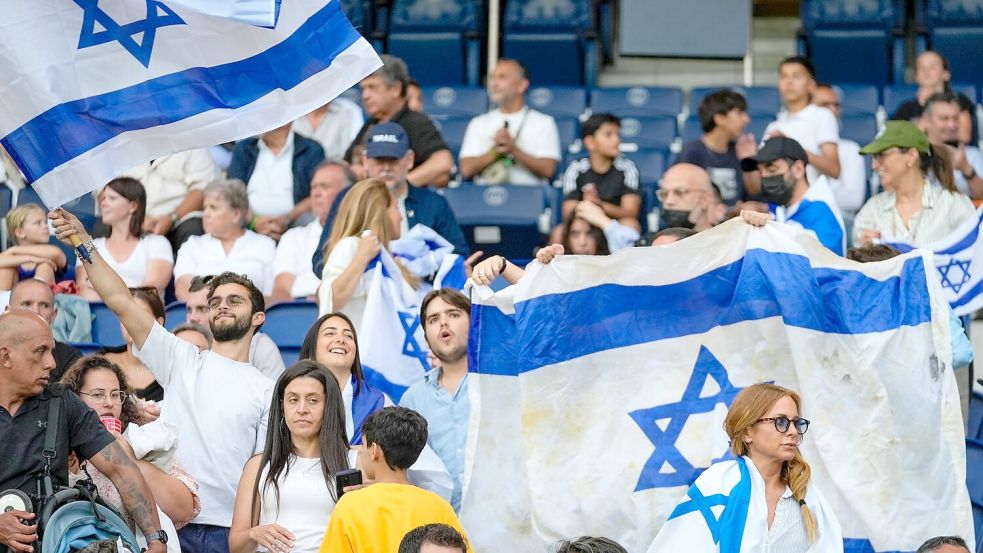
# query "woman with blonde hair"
(769, 503)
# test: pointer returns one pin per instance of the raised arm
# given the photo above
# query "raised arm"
(122, 471)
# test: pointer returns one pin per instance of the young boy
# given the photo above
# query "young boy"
(723, 117)
(374, 519)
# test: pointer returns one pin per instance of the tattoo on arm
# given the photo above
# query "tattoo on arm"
(133, 489)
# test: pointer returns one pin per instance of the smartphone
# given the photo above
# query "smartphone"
(345, 478)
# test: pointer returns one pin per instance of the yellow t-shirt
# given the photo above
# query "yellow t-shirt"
(374, 519)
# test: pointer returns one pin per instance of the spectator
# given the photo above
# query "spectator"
(197, 335)
(944, 544)
(174, 186)
(513, 143)
(723, 118)
(375, 518)
(486, 271)
(689, 199)
(33, 295)
(384, 97)
(138, 374)
(433, 538)
(277, 169)
(25, 367)
(912, 209)
(263, 351)
(293, 277)
(850, 189)
(226, 246)
(784, 184)
(604, 177)
(580, 236)
(813, 127)
(671, 235)
(588, 544)
(286, 495)
(933, 76)
(388, 156)
(139, 259)
(102, 385)
(940, 121)
(31, 256)
(333, 126)
(414, 96)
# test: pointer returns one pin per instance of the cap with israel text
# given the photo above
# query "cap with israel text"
(387, 140)
(776, 147)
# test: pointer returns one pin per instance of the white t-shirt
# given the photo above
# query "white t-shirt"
(811, 127)
(251, 255)
(133, 270)
(220, 408)
(265, 356)
(168, 179)
(305, 504)
(850, 189)
(338, 260)
(293, 256)
(536, 136)
(271, 185)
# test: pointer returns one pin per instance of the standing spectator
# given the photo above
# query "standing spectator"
(384, 98)
(940, 121)
(850, 189)
(333, 126)
(933, 76)
(174, 186)
(723, 118)
(226, 246)
(277, 169)
(139, 259)
(139, 376)
(813, 127)
(689, 199)
(433, 538)
(513, 143)
(31, 256)
(33, 295)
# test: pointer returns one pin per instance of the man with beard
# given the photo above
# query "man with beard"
(442, 397)
(216, 399)
(689, 199)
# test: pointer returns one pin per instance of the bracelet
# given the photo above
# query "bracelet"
(504, 263)
(970, 176)
(88, 247)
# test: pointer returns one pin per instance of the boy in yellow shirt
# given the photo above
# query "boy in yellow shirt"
(374, 519)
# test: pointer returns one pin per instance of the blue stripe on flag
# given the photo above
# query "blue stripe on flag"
(68, 130)
(377, 380)
(852, 545)
(492, 338)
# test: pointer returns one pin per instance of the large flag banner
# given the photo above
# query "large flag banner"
(605, 381)
(95, 87)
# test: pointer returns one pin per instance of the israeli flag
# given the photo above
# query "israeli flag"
(605, 380)
(430, 257)
(95, 87)
(262, 13)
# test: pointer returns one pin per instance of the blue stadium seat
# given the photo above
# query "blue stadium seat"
(691, 129)
(452, 130)
(974, 478)
(568, 129)
(88, 348)
(6, 199)
(966, 89)
(896, 94)
(558, 101)
(975, 426)
(858, 127)
(174, 314)
(290, 355)
(287, 323)
(501, 219)
(649, 132)
(556, 40)
(651, 164)
(852, 41)
(859, 98)
(422, 31)
(637, 101)
(454, 101)
(978, 517)
(105, 326)
(761, 100)
(955, 30)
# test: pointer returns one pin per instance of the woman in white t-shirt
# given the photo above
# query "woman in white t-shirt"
(287, 493)
(225, 246)
(140, 260)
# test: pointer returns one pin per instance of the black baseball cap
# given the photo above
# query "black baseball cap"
(777, 147)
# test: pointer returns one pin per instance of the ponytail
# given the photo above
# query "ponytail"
(937, 162)
(796, 474)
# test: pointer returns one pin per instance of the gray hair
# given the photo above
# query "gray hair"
(346, 170)
(588, 544)
(233, 191)
(393, 71)
(933, 544)
(196, 328)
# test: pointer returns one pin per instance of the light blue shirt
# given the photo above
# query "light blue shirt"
(447, 423)
(962, 350)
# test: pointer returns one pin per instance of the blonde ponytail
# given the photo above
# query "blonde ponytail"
(796, 474)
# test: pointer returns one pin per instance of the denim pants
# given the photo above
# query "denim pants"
(204, 538)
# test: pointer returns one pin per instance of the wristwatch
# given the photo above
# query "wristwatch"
(159, 535)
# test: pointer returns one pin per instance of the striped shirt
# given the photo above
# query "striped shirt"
(788, 531)
(941, 214)
(620, 179)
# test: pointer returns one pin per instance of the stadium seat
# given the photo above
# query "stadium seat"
(858, 98)
(761, 100)
(975, 426)
(558, 101)
(637, 101)
(556, 40)
(896, 94)
(858, 127)
(650, 163)
(421, 31)
(501, 219)
(955, 30)
(287, 323)
(452, 130)
(454, 101)
(105, 325)
(568, 129)
(174, 314)
(691, 129)
(290, 355)
(649, 132)
(851, 41)
(974, 478)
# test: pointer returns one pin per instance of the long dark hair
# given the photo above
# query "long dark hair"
(937, 162)
(309, 349)
(595, 232)
(279, 444)
(74, 379)
(132, 191)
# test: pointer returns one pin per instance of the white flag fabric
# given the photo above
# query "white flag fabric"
(93, 88)
(262, 13)
(430, 257)
(605, 380)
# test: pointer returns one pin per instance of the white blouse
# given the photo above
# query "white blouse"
(305, 504)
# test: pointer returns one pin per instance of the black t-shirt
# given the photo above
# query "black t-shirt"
(22, 437)
(65, 355)
(725, 169)
(425, 140)
(911, 109)
(620, 179)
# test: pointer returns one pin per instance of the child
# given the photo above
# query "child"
(31, 256)
(374, 519)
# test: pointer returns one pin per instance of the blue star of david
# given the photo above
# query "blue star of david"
(954, 274)
(158, 15)
(411, 348)
(666, 452)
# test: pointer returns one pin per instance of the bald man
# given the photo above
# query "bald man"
(34, 295)
(689, 199)
(26, 362)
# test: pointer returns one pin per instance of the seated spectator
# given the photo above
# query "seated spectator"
(912, 209)
(513, 143)
(141, 379)
(586, 233)
(604, 177)
(194, 334)
(141, 260)
(813, 127)
(293, 276)
(333, 126)
(33, 295)
(384, 98)
(287, 493)
(587, 544)
(671, 235)
(277, 169)
(225, 246)
(433, 538)
(174, 186)
(414, 96)
(940, 121)
(689, 199)
(850, 189)
(795, 200)
(102, 385)
(933, 76)
(31, 256)
(375, 518)
(944, 544)
(723, 118)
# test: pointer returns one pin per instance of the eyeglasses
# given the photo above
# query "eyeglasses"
(665, 193)
(879, 157)
(233, 301)
(99, 396)
(782, 423)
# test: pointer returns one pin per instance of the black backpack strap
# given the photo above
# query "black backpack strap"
(50, 449)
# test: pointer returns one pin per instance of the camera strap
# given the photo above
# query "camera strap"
(50, 442)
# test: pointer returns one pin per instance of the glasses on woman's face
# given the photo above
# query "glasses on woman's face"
(101, 396)
(782, 423)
